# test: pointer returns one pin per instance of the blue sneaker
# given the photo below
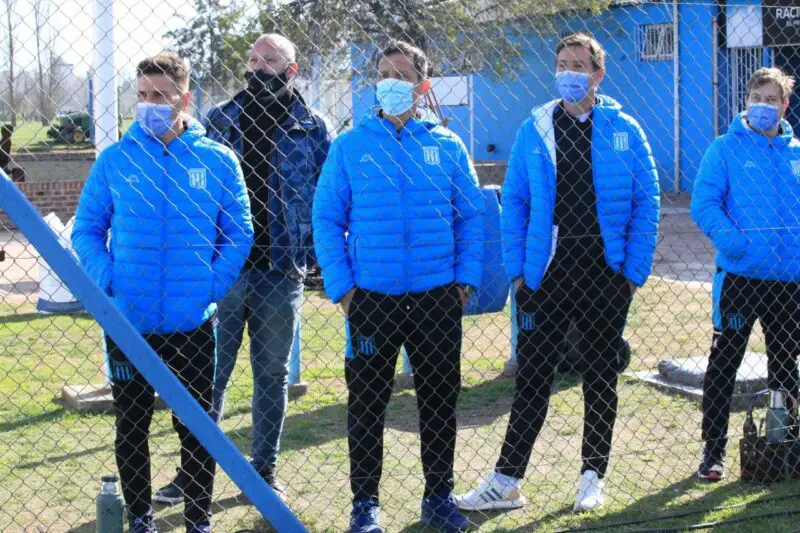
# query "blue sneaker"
(441, 513)
(142, 524)
(366, 517)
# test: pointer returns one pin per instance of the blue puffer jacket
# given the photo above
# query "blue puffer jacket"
(398, 212)
(746, 199)
(302, 140)
(626, 185)
(179, 222)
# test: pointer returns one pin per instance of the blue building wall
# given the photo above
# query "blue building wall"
(645, 89)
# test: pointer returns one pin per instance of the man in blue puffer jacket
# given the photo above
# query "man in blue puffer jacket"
(745, 200)
(579, 223)
(398, 230)
(175, 207)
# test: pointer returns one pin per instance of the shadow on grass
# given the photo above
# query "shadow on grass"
(54, 459)
(477, 520)
(480, 404)
(27, 317)
(650, 511)
(172, 521)
(46, 417)
(655, 511)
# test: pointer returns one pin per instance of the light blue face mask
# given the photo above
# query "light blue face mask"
(395, 96)
(763, 117)
(156, 119)
(573, 86)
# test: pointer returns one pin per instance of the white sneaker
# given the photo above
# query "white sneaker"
(590, 492)
(496, 493)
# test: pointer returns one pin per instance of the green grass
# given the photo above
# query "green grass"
(27, 134)
(32, 137)
(51, 459)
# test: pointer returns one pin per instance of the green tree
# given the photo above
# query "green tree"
(212, 42)
(459, 35)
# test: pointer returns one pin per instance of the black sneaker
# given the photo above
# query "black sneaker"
(269, 478)
(142, 524)
(712, 467)
(173, 492)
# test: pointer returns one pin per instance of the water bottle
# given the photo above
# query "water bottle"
(777, 417)
(750, 429)
(110, 506)
(749, 461)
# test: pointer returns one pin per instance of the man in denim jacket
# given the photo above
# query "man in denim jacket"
(282, 145)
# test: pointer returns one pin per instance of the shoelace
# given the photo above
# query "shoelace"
(366, 509)
(138, 523)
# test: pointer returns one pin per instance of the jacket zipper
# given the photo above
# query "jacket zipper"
(163, 262)
(275, 158)
(401, 183)
(605, 127)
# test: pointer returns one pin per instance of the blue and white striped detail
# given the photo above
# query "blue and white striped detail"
(527, 321)
(348, 340)
(716, 298)
(121, 371)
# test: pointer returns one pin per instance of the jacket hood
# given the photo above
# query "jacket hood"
(739, 126)
(604, 106)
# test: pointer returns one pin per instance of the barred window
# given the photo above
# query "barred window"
(656, 42)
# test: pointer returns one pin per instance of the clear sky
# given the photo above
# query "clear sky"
(139, 29)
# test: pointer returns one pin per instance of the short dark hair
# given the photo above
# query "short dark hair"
(418, 58)
(585, 40)
(167, 64)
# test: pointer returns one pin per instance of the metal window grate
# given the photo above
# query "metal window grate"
(744, 62)
(656, 42)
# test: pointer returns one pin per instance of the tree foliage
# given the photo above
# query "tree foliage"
(459, 35)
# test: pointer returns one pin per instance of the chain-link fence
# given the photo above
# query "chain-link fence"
(404, 233)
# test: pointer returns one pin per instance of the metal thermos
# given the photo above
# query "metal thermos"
(110, 506)
(777, 417)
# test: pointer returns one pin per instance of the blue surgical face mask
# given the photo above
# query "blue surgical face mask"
(763, 117)
(573, 86)
(395, 96)
(156, 119)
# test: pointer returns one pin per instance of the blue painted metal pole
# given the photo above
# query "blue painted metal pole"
(90, 105)
(155, 371)
(294, 359)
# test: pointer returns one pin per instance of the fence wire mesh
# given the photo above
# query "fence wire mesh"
(406, 223)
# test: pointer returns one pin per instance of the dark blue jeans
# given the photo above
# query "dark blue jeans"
(269, 304)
